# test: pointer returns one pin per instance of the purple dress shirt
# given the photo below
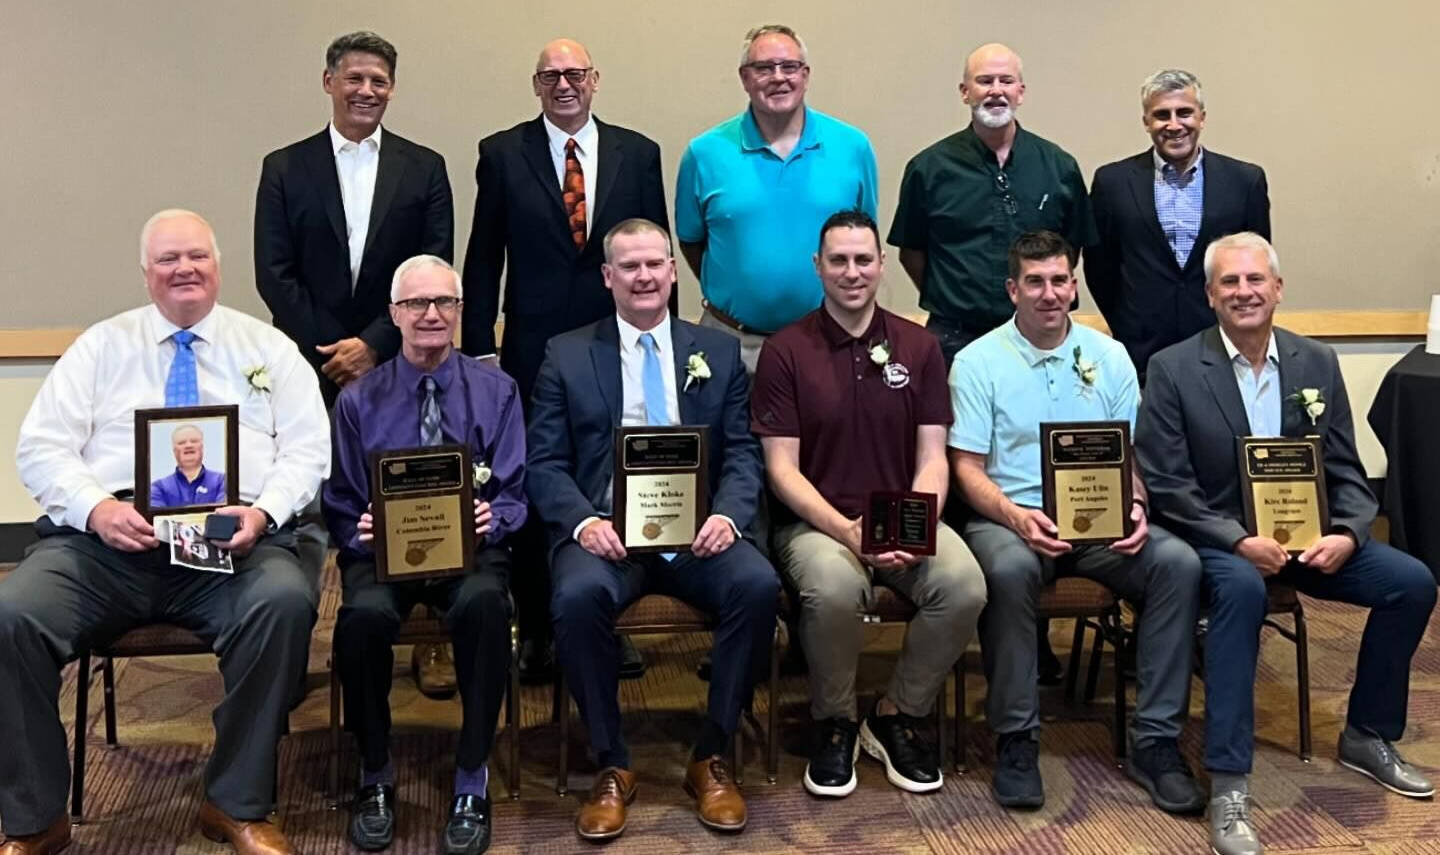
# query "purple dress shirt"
(173, 491)
(479, 406)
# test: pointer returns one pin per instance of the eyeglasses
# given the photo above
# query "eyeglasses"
(788, 68)
(421, 305)
(1002, 183)
(575, 76)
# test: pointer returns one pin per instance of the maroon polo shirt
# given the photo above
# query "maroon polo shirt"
(856, 421)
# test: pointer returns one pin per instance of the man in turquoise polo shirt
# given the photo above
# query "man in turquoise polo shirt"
(757, 186)
(1040, 367)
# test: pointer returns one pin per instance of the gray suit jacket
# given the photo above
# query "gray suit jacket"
(1191, 413)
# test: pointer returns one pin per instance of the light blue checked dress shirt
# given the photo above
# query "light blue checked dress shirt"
(1180, 203)
(1261, 395)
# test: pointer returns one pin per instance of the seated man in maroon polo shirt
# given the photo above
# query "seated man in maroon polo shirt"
(848, 400)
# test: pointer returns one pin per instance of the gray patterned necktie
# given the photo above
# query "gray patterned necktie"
(429, 415)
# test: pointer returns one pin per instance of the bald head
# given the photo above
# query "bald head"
(993, 86)
(993, 53)
(565, 80)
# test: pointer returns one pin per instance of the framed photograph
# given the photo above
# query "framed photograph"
(187, 459)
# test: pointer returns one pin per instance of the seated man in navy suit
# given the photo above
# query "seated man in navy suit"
(643, 366)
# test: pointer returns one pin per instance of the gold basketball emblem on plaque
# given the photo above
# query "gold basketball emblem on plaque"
(416, 550)
(650, 530)
(1282, 535)
(1080, 523)
(414, 555)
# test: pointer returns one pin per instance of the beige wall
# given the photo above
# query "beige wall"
(115, 110)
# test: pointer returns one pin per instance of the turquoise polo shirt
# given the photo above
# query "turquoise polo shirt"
(760, 215)
(1002, 387)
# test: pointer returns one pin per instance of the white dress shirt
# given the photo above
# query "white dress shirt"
(77, 443)
(632, 366)
(355, 166)
(587, 142)
(1261, 395)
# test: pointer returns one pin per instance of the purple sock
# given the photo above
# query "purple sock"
(472, 782)
(384, 775)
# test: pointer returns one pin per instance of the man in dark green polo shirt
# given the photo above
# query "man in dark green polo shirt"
(966, 198)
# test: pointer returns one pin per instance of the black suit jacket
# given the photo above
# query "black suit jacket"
(302, 252)
(1191, 413)
(520, 226)
(1148, 299)
(577, 402)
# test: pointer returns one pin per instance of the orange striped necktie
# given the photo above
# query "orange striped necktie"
(573, 192)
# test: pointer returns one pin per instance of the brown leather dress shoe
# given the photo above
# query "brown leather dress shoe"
(434, 670)
(257, 837)
(602, 817)
(53, 839)
(717, 798)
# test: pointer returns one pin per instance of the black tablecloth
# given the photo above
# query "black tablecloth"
(1406, 418)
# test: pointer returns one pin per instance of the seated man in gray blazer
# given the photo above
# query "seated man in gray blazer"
(1247, 378)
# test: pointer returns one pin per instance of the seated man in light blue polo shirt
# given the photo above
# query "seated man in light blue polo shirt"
(760, 184)
(1041, 367)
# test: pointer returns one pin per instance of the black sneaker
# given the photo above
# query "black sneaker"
(831, 770)
(1157, 766)
(372, 817)
(910, 760)
(468, 830)
(1017, 780)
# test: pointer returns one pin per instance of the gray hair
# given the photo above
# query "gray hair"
(187, 426)
(1240, 240)
(172, 214)
(772, 30)
(421, 262)
(361, 41)
(1170, 80)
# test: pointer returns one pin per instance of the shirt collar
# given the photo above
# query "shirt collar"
(1033, 355)
(338, 141)
(630, 334)
(1271, 354)
(1163, 167)
(1020, 142)
(752, 140)
(161, 328)
(838, 337)
(410, 376)
(585, 138)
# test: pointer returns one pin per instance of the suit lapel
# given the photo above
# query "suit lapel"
(388, 173)
(608, 156)
(605, 356)
(683, 343)
(537, 154)
(1142, 187)
(321, 159)
(1220, 376)
(1214, 179)
(1293, 421)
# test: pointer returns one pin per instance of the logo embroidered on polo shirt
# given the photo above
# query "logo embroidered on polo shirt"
(896, 376)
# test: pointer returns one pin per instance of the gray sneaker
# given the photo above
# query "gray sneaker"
(1230, 830)
(1378, 759)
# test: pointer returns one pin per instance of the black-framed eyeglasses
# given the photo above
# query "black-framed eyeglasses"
(421, 305)
(1002, 184)
(575, 76)
(788, 68)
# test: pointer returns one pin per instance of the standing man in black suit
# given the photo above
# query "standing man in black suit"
(335, 214)
(543, 189)
(1157, 211)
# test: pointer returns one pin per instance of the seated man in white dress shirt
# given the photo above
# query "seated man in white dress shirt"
(99, 568)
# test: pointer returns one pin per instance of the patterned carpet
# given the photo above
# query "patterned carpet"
(141, 798)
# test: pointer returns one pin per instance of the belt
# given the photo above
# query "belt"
(731, 322)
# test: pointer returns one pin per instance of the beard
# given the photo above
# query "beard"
(993, 119)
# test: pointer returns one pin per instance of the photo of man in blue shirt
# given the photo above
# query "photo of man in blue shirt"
(191, 483)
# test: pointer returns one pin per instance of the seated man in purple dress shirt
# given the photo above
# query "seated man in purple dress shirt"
(191, 483)
(428, 395)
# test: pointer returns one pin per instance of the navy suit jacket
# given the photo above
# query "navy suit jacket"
(302, 251)
(520, 226)
(1192, 412)
(576, 408)
(1147, 298)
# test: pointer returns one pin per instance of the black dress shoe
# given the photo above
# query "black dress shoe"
(632, 664)
(537, 661)
(372, 817)
(468, 831)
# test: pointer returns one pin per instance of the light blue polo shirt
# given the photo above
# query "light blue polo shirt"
(1002, 387)
(760, 216)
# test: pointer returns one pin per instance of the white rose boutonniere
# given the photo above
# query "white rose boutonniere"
(1084, 369)
(481, 474)
(258, 378)
(880, 353)
(1312, 401)
(697, 370)
(895, 375)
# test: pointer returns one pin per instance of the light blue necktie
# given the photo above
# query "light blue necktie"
(182, 388)
(429, 415)
(652, 382)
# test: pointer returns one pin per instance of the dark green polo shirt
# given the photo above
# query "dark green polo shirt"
(964, 211)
